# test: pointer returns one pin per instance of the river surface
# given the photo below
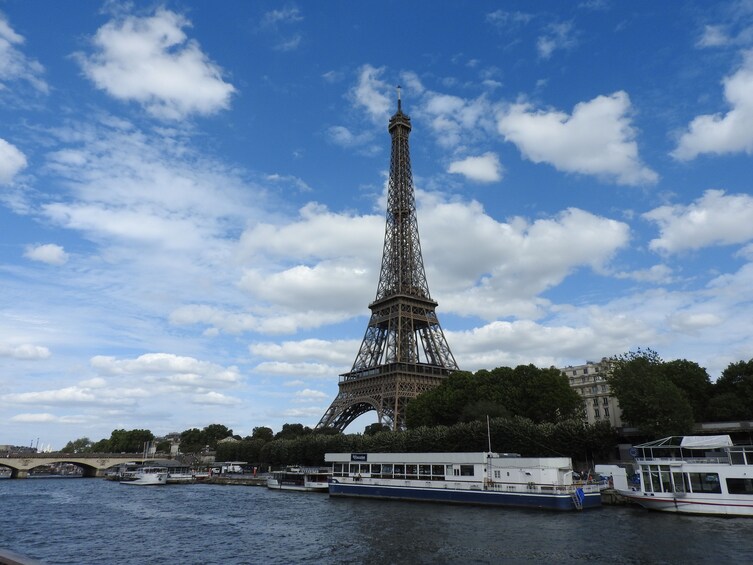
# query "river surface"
(93, 521)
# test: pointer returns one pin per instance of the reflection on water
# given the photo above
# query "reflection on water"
(97, 521)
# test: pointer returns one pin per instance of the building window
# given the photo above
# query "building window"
(596, 402)
(606, 412)
(596, 413)
(605, 401)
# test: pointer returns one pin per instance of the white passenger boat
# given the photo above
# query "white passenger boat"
(147, 476)
(694, 475)
(470, 478)
(312, 479)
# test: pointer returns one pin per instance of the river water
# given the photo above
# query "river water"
(93, 521)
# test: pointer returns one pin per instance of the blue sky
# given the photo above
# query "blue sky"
(192, 196)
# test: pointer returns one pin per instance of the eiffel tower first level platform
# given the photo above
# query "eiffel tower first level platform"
(404, 352)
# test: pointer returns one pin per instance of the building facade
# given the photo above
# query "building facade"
(589, 381)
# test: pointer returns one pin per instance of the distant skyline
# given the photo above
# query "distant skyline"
(192, 196)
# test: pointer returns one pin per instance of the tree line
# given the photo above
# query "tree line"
(531, 411)
(663, 398)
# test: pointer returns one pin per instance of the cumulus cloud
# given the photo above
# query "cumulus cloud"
(215, 398)
(713, 36)
(11, 161)
(151, 61)
(714, 219)
(24, 351)
(596, 139)
(49, 253)
(14, 65)
(370, 94)
(513, 262)
(309, 395)
(484, 168)
(167, 366)
(454, 120)
(77, 395)
(724, 133)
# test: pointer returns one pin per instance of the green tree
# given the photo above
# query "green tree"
(694, 383)
(80, 445)
(375, 428)
(733, 393)
(648, 398)
(292, 431)
(124, 441)
(263, 433)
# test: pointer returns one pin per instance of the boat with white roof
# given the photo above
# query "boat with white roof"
(694, 475)
(465, 478)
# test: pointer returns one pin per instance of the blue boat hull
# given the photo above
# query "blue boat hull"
(490, 498)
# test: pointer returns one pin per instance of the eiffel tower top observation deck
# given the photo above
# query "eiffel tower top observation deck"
(404, 351)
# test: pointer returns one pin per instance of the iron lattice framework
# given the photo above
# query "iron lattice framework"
(404, 351)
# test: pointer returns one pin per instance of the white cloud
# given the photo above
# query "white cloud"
(454, 120)
(308, 370)
(11, 161)
(215, 398)
(168, 367)
(14, 65)
(151, 61)
(728, 133)
(369, 93)
(340, 352)
(309, 395)
(714, 219)
(342, 136)
(24, 351)
(484, 168)
(512, 263)
(556, 36)
(49, 253)
(35, 418)
(596, 139)
(76, 395)
(285, 15)
(713, 36)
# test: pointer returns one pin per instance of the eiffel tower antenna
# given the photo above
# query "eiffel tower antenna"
(404, 351)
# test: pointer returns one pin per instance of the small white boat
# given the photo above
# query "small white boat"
(694, 475)
(313, 479)
(147, 476)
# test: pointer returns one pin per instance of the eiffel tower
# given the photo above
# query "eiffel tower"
(404, 351)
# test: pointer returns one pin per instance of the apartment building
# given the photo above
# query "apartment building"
(590, 383)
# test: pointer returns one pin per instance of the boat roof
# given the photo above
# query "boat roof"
(691, 442)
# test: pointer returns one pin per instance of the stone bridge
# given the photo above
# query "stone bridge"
(92, 464)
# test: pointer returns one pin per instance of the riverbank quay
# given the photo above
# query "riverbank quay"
(610, 497)
(238, 480)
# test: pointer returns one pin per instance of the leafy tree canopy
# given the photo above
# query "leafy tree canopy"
(648, 397)
(541, 395)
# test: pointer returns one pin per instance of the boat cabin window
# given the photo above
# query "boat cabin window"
(399, 471)
(437, 471)
(705, 482)
(411, 470)
(740, 486)
(466, 471)
(424, 472)
(376, 469)
(737, 457)
(364, 468)
(386, 469)
(353, 469)
(449, 471)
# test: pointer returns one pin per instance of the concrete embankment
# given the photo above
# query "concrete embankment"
(610, 497)
(240, 480)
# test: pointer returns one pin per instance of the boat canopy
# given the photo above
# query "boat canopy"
(691, 442)
(700, 442)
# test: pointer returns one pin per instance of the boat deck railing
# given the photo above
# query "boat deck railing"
(525, 488)
(704, 460)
